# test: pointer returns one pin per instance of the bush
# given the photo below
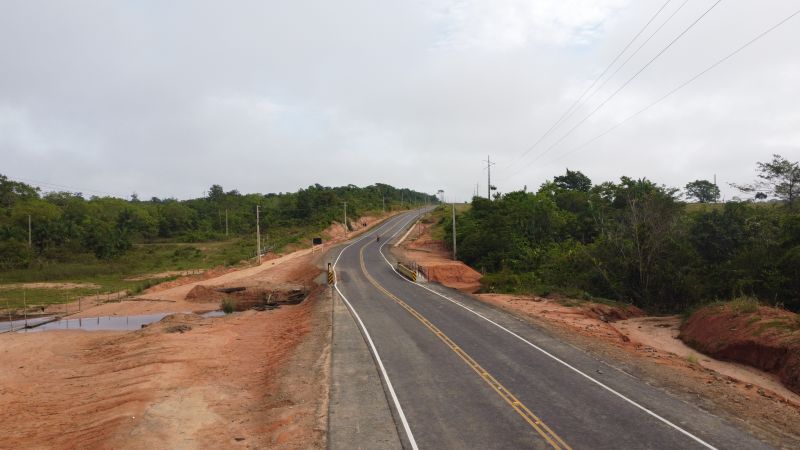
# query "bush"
(228, 306)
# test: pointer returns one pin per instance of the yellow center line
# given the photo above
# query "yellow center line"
(546, 432)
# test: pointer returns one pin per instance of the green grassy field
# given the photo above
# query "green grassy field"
(115, 275)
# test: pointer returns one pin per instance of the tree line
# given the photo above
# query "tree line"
(66, 225)
(640, 242)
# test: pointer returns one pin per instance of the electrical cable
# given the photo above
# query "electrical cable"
(680, 86)
(614, 94)
(574, 106)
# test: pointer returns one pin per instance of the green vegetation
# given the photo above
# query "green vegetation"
(228, 306)
(691, 358)
(105, 240)
(744, 305)
(703, 191)
(634, 241)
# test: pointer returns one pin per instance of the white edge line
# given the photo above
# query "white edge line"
(374, 350)
(568, 365)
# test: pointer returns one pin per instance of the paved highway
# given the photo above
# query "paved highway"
(460, 374)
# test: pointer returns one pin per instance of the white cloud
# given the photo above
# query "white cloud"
(502, 24)
(272, 96)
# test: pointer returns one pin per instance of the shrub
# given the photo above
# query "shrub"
(228, 306)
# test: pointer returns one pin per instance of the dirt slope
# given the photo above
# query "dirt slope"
(435, 262)
(768, 339)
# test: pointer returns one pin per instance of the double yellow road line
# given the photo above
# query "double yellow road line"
(546, 432)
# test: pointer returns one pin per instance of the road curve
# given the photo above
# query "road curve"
(460, 374)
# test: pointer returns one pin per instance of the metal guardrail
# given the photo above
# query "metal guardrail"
(409, 273)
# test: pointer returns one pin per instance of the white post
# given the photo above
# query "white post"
(226, 223)
(454, 230)
(258, 235)
(25, 307)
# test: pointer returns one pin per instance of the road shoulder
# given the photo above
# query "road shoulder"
(359, 412)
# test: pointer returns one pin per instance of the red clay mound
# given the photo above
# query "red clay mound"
(767, 338)
(609, 313)
(453, 274)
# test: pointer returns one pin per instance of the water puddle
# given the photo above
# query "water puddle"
(110, 323)
(19, 324)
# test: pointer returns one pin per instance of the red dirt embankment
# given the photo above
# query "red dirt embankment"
(435, 261)
(768, 339)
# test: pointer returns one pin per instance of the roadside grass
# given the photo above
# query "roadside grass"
(744, 305)
(692, 358)
(114, 275)
(786, 325)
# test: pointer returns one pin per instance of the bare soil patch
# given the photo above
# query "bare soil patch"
(252, 379)
(167, 274)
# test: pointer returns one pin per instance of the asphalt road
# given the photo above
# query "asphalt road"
(460, 374)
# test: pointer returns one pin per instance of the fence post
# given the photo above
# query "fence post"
(8, 309)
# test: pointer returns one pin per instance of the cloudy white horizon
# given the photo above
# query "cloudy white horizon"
(166, 99)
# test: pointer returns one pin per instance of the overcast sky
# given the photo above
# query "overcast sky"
(166, 98)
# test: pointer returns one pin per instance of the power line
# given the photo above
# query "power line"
(573, 107)
(680, 86)
(614, 94)
(636, 52)
(59, 186)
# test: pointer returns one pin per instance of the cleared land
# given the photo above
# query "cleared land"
(252, 379)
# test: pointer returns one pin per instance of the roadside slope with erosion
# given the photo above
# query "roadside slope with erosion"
(745, 332)
(647, 347)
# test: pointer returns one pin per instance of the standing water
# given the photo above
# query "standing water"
(111, 323)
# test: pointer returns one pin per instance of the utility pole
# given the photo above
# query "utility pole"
(489, 165)
(30, 240)
(258, 234)
(384, 203)
(226, 223)
(454, 230)
(345, 219)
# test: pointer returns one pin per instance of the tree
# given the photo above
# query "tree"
(216, 194)
(14, 191)
(573, 180)
(781, 178)
(702, 190)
